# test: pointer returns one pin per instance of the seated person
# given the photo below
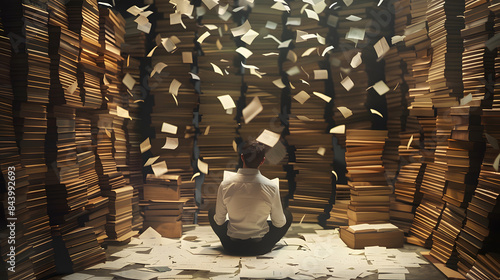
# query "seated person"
(249, 198)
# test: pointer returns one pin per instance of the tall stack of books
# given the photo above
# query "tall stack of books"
(83, 17)
(64, 50)
(83, 248)
(98, 210)
(216, 144)
(163, 205)
(9, 152)
(485, 266)
(370, 194)
(119, 219)
(135, 39)
(85, 154)
(308, 122)
(478, 62)
(338, 214)
(481, 225)
(30, 62)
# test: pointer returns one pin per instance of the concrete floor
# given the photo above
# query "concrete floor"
(426, 271)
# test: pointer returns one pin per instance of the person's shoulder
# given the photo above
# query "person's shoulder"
(267, 182)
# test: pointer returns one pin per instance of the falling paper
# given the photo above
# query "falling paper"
(134, 10)
(409, 142)
(295, 21)
(151, 161)
(320, 74)
(159, 168)
(271, 25)
(466, 99)
(373, 111)
(187, 57)
(203, 166)
(397, 38)
(150, 54)
(336, 176)
(312, 14)
(380, 87)
(171, 143)
(176, 18)
(120, 112)
(356, 34)
(195, 175)
(301, 97)
(381, 47)
(347, 83)
(252, 109)
(71, 89)
(279, 83)
(168, 44)
(308, 51)
(169, 128)
(268, 138)
(227, 101)
(326, 50)
(321, 151)
(246, 53)
(129, 81)
(174, 87)
(356, 60)
(145, 145)
(146, 28)
(292, 56)
(353, 18)
(158, 68)
(284, 44)
(242, 29)
(217, 69)
(348, 2)
(346, 112)
(210, 3)
(203, 37)
(207, 130)
(326, 98)
(293, 71)
(249, 36)
(339, 129)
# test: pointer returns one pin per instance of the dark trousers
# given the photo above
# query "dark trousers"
(250, 247)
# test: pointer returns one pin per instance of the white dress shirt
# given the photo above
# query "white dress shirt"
(248, 198)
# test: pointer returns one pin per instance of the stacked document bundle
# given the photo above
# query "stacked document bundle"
(363, 235)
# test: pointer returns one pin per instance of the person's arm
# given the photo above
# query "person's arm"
(220, 208)
(277, 216)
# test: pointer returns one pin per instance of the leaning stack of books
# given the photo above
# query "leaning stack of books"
(83, 249)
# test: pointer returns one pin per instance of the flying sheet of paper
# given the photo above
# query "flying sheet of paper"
(496, 163)
(129, 81)
(466, 99)
(252, 109)
(284, 44)
(145, 145)
(280, 7)
(268, 138)
(326, 98)
(397, 38)
(319, 6)
(134, 10)
(304, 118)
(203, 166)
(146, 28)
(207, 130)
(320, 74)
(217, 69)
(292, 56)
(279, 83)
(159, 168)
(294, 21)
(308, 51)
(71, 88)
(409, 142)
(169, 128)
(242, 29)
(293, 71)
(373, 111)
(187, 57)
(271, 25)
(176, 18)
(301, 97)
(321, 151)
(174, 87)
(347, 83)
(203, 37)
(381, 88)
(150, 54)
(356, 34)
(222, 9)
(346, 112)
(195, 175)
(249, 36)
(246, 53)
(151, 160)
(276, 153)
(226, 101)
(356, 60)
(326, 50)
(158, 68)
(311, 14)
(120, 112)
(171, 143)
(321, 39)
(210, 3)
(348, 2)
(381, 47)
(339, 129)
(353, 18)
(168, 44)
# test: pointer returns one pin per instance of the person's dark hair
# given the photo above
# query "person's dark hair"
(253, 153)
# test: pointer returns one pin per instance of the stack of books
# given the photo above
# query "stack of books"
(83, 249)
(98, 210)
(163, 205)
(64, 50)
(85, 154)
(370, 194)
(83, 19)
(426, 220)
(9, 152)
(364, 235)
(485, 266)
(119, 219)
(401, 214)
(135, 39)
